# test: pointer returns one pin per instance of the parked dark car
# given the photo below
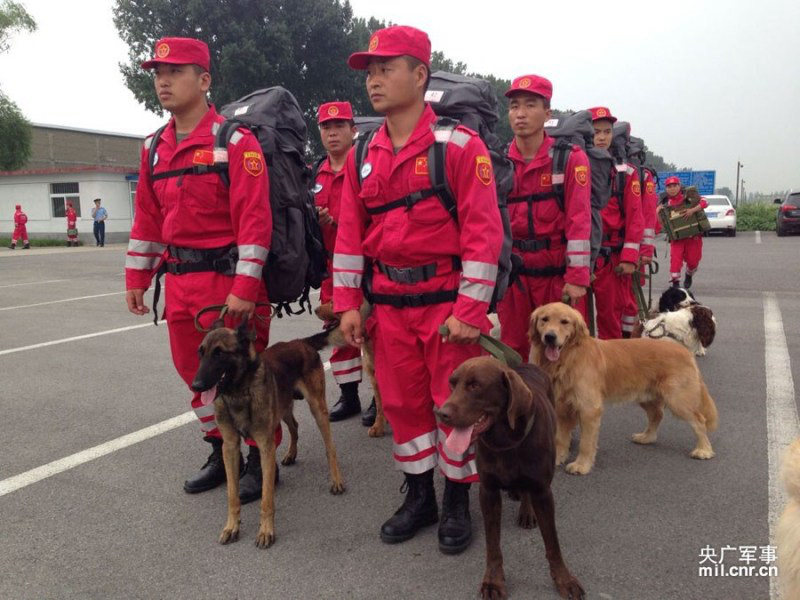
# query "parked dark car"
(788, 219)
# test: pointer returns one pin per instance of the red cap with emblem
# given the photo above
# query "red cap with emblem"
(602, 113)
(398, 40)
(334, 110)
(672, 180)
(180, 51)
(532, 84)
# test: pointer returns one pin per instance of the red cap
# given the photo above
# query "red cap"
(19, 206)
(334, 110)
(671, 180)
(602, 112)
(398, 40)
(180, 51)
(532, 84)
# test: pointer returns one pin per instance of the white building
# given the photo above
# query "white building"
(76, 165)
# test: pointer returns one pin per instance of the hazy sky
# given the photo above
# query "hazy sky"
(705, 83)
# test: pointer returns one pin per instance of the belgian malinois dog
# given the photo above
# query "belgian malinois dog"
(254, 392)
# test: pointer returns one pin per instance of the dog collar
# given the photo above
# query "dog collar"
(528, 427)
(664, 333)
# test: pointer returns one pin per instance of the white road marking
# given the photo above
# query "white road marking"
(782, 423)
(59, 301)
(27, 478)
(76, 338)
(758, 237)
(32, 283)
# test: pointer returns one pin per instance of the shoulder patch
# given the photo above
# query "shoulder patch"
(253, 163)
(636, 188)
(483, 169)
(582, 175)
(421, 165)
(650, 188)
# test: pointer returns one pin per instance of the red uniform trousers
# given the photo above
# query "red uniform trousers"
(413, 367)
(186, 295)
(630, 310)
(611, 294)
(523, 297)
(690, 251)
(20, 231)
(345, 362)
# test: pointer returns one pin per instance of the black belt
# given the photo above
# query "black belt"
(542, 272)
(411, 275)
(414, 300)
(534, 245)
(607, 251)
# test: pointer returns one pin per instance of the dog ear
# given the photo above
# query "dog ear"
(703, 322)
(581, 328)
(244, 335)
(217, 324)
(533, 328)
(520, 397)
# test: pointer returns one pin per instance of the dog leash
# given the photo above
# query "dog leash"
(495, 347)
(223, 310)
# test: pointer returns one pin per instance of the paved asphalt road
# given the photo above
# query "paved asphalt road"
(120, 526)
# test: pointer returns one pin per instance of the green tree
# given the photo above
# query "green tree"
(15, 129)
(724, 191)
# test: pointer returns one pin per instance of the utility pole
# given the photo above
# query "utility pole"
(744, 194)
(739, 166)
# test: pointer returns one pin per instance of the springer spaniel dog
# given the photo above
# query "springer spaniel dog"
(684, 320)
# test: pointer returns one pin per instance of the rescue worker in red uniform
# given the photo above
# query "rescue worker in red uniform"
(647, 251)
(623, 229)
(72, 225)
(553, 243)
(337, 130)
(20, 229)
(213, 238)
(426, 269)
(688, 250)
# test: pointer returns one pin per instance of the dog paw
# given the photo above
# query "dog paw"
(493, 590)
(569, 587)
(265, 538)
(229, 535)
(642, 438)
(526, 520)
(289, 458)
(701, 454)
(578, 468)
(337, 487)
(561, 458)
(376, 430)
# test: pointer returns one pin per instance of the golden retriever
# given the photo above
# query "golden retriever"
(588, 373)
(787, 533)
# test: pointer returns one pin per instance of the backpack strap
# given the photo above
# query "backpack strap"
(361, 148)
(561, 151)
(315, 169)
(151, 151)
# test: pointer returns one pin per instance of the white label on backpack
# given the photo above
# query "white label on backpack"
(551, 123)
(366, 169)
(220, 155)
(434, 95)
(155, 159)
(317, 188)
(622, 168)
(558, 178)
(241, 110)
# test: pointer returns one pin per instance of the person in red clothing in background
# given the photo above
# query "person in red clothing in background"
(688, 250)
(552, 242)
(337, 130)
(214, 238)
(20, 229)
(72, 225)
(623, 230)
(426, 269)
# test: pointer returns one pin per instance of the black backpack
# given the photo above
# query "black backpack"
(296, 261)
(577, 130)
(637, 156)
(457, 100)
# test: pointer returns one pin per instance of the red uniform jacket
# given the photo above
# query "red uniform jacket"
(632, 224)
(72, 218)
(426, 233)
(199, 211)
(574, 223)
(20, 218)
(649, 206)
(328, 194)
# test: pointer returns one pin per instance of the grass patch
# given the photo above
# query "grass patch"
(5, 242)
(756, 217)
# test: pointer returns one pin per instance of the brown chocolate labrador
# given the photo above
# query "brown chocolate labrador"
(510, 412)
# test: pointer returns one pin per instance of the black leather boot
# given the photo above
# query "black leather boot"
(348, 404)
(369, 415)
(455, 527)
(676, 283)
(26, 247)
(212, 474)
(687, 281)
(419, 509)
(250, 484)
(626, 335)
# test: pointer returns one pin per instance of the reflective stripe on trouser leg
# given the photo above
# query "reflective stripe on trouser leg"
(346, 365)
(413, 367)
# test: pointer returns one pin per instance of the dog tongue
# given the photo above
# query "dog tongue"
(459, 439)
(208, 396)
(552, 353)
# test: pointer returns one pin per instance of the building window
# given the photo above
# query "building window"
(60, 194)
(132, 188)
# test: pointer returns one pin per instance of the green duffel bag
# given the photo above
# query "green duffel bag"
(678, 226)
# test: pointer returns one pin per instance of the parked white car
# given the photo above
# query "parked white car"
(721, 214)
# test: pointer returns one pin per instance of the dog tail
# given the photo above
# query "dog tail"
(790, 470)
(708, 408)
(329, 337)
